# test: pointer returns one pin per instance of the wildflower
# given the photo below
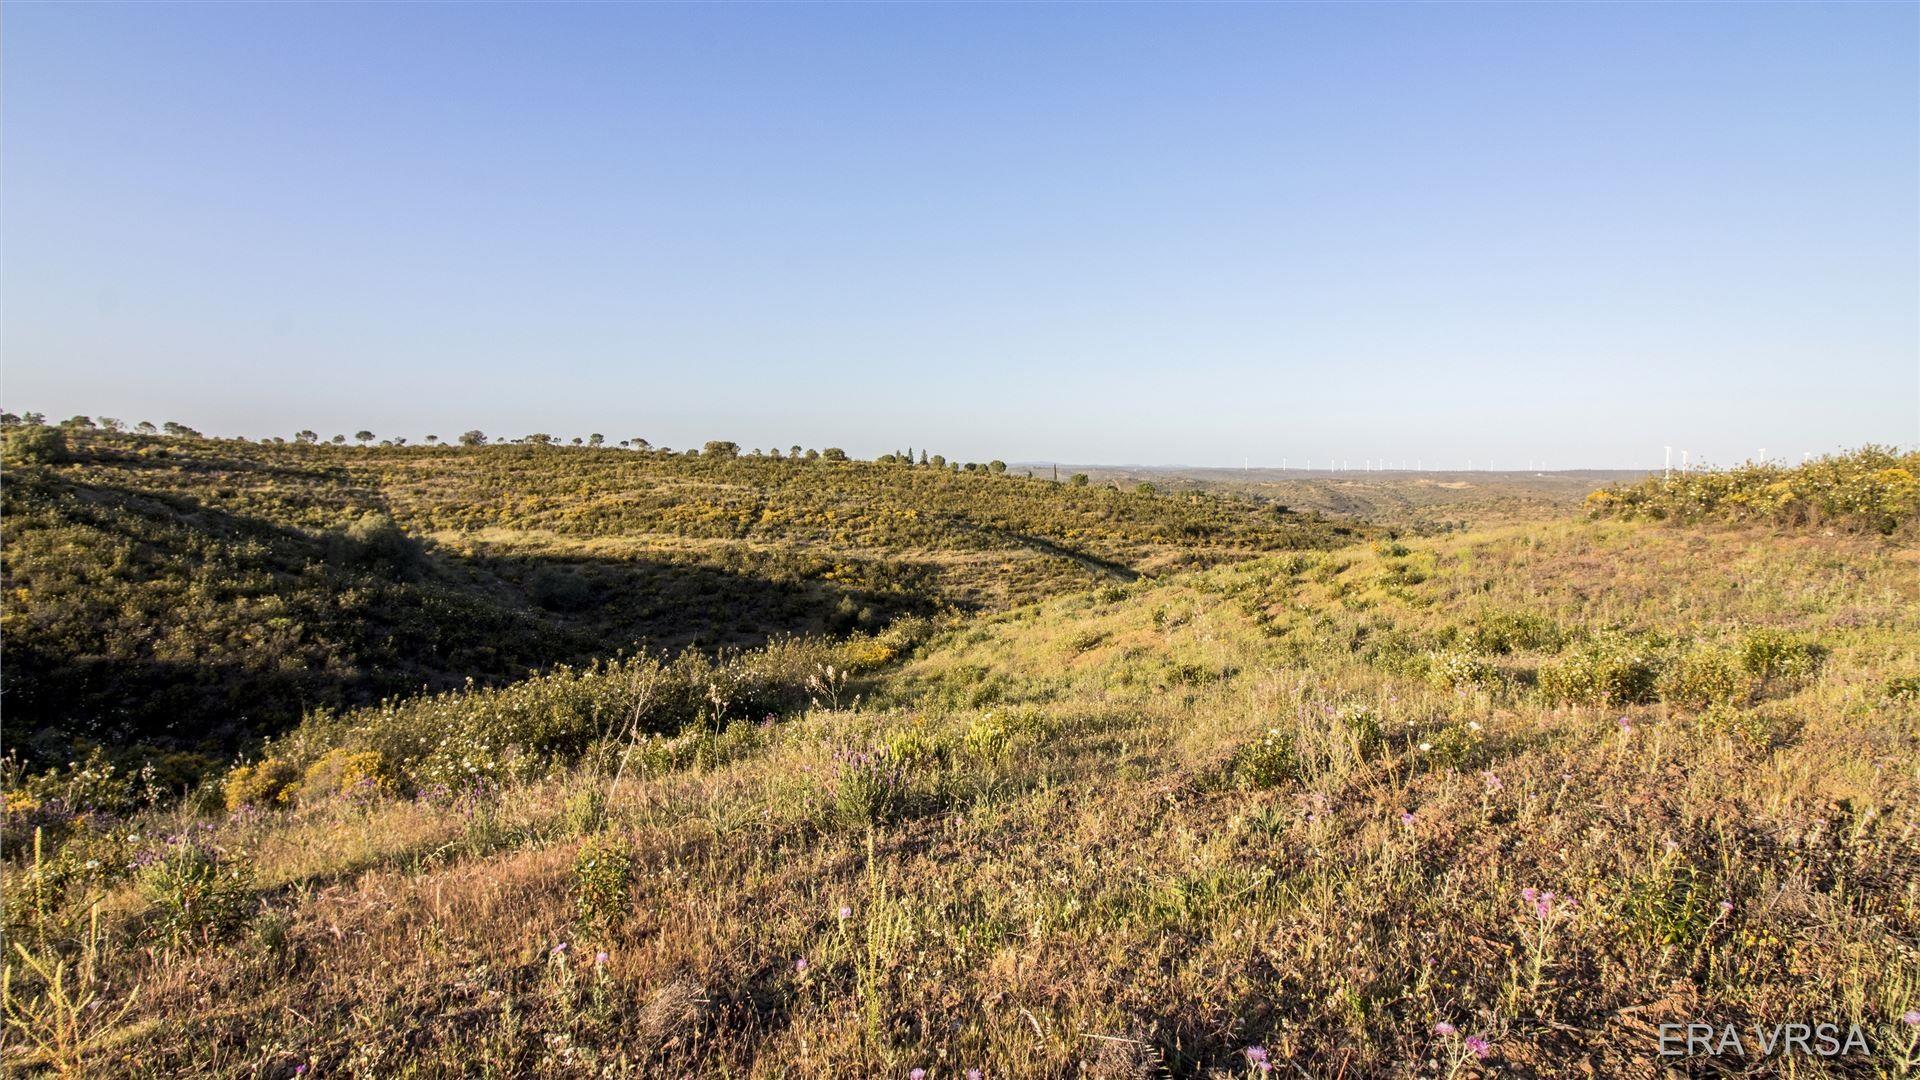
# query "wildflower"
(1626, 725)
(1479, 1047)
(559, 950)
(1257, 1058)
(600, 958)
(1911, 1018)
(975, 1074)
(845, 913)
(1406, 817)
(1473, 725)
(800, 966)
(1443, 1028)
(1494, 783)
(1425, 746)
(917, 1074)
(1726, 907)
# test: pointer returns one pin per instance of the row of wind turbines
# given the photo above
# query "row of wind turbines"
(1761, 458)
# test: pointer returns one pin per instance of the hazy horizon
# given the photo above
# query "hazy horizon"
(1202, 236)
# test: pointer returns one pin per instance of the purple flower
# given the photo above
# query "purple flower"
(916, 1073)
(975, 1074)
(1257, 1058)
(1479, 1047)
(1406, 817)
(1911, 1018)
(600, 958)
(559, 950)
(1726, 907)
(1626, 724)
(1443, 1028)
(845, 913)
(1494, 783)
(800, 966)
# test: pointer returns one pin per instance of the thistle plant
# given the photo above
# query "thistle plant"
(1543, 914)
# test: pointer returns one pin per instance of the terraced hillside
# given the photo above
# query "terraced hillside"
(1501, 802)
(188, 593)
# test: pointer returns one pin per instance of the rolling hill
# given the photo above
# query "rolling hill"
(1502, 800)
(190, 594)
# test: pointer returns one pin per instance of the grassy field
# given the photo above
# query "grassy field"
(1496, 801)
(190, 594)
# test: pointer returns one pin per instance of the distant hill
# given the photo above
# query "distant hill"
(1422, 500)
(191, 592)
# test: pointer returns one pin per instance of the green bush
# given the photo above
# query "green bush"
(870, 788)
(585, 812)
(1458, 670)
(1498, 633)
(374, 540)
(1777, 656)
(35, 444)
(1614, 670)
(603, 878)
(1702, 677)
(199, 892)
(1267, 761)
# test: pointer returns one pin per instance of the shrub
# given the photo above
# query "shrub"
(1871, 489)
(374, 540)
(1615, 670)
(1454, 746)
(344, 772)
(266, 783)
(1456, 670)
(1772, 654)
(1267, 761)
(1500, 632)
(1673, 903)
(997, 734)
(603, 876)
(1701, 677)
(870, 788)
(197, 890)
(560, 589)
(35, 444)
(586, 811)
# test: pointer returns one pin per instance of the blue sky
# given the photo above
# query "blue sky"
(1161, 234)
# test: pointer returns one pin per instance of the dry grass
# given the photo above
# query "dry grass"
(1079, 853)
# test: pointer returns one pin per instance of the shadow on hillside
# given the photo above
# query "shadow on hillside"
(179, 624)
(1093, 563)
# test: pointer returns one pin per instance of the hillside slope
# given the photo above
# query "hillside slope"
(189, 593)
(1548, 786)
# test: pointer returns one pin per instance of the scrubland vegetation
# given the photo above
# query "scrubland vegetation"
(1501, 801)
(1874, 489)
(189, 595)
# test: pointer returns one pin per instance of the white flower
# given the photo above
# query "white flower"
(1425, 746)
